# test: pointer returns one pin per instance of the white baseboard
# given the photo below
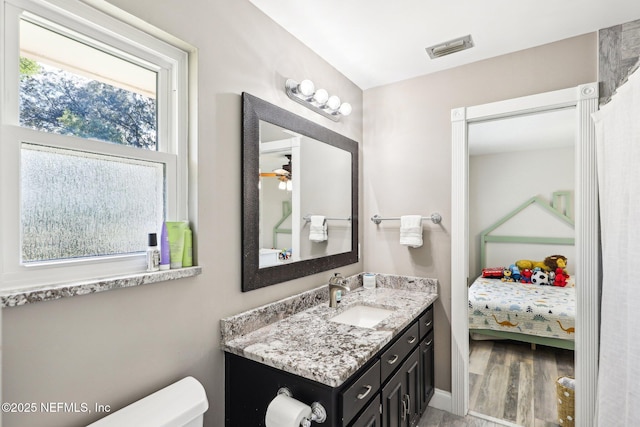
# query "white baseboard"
(494, 420)
(441, 400)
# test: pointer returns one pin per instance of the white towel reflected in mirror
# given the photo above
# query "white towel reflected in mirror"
(318, 231)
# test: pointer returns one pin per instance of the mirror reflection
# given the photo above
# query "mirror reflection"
(305, 197)
(299, 196)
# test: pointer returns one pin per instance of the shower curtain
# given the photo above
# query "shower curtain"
(618, 140)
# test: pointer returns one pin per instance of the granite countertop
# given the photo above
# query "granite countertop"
(15, 297)
(307, 344)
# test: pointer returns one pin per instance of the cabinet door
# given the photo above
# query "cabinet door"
(411, 369)
(394, 411)
(426, 371)
(401, 396)
(371, 416)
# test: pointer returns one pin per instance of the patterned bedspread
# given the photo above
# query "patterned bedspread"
(546, 311)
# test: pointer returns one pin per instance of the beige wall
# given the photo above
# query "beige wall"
(498, 184)
(115, 347)
(407, 168)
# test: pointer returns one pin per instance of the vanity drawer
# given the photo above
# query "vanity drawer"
(360, 392)
(426, 322)
(393, 357)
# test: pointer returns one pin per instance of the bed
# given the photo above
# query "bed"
(525, 312)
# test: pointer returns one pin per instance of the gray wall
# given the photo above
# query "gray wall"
(499, 183)
(407, 134)
(115, 347)
(325, 191)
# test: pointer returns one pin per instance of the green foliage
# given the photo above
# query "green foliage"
(28, 67)
(54, 100)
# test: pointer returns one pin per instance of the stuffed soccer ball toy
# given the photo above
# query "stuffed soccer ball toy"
(540, 278)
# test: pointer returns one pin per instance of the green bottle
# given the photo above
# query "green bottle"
(187, 254)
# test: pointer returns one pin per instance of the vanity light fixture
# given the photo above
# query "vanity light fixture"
(319, 100)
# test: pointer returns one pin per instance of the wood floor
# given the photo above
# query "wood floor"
(510, 381)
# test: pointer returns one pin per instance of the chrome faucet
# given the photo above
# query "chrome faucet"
(336, 283)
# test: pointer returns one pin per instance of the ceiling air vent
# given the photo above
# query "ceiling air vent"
(452, 46)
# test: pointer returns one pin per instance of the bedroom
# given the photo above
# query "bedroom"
(521, 189)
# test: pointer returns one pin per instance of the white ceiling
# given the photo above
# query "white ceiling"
(539, 131)
(376, 42)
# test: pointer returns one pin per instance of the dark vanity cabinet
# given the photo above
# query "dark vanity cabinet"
(406, 395)
(392, 389)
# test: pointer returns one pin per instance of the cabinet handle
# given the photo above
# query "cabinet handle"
(408, 404)
(429, 343)
(363, 395)
(404, 408)
(429, 323)
(393, 360)
(412, 340)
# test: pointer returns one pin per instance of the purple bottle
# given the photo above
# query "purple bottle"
(164, 248)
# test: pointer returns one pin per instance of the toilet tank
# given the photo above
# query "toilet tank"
(181, 404)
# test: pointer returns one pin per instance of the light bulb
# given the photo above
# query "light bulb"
(289, 185)
(345, 109)
(321, 96)
(333, 102)
(282, 185)
(306, 87)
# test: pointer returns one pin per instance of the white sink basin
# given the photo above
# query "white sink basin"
(363, 316)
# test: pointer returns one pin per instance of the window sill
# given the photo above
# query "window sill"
(18, 297)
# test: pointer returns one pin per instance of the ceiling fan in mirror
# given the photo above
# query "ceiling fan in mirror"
(283, 174)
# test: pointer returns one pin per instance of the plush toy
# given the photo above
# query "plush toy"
(526, 276)
(540, 277)
(554, 261)
(507, 276)
(515, 272)
(525, 263)
(552, 277)
(561, 278)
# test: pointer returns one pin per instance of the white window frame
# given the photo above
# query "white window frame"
(171, 64)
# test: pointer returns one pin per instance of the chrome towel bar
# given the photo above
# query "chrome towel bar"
(436, 218)
(307, 218)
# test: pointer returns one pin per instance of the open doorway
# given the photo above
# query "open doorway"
(466, 262)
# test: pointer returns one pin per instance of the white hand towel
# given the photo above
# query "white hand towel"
(318, 228)
(411, 230)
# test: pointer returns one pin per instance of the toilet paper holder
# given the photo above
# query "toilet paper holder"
(318, 413)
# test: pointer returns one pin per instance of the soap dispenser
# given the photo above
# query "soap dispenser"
(335, 284)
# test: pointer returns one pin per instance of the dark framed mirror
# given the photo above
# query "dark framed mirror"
(294, 173)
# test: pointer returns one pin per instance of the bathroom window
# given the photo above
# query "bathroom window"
(70, 87)
(94, 142)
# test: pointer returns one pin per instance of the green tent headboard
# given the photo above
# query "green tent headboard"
(561, 207)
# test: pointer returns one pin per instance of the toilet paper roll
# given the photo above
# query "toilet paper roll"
(285, 411)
